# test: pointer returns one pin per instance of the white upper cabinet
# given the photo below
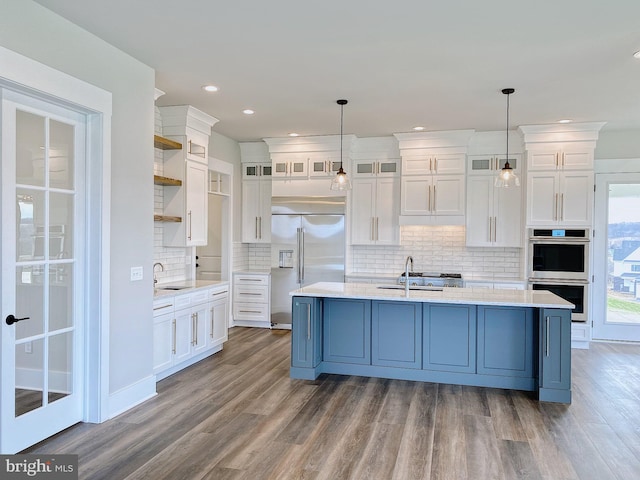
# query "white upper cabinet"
(560, 198)
(427, 163)
(494, 217)
(374, 211)
(560, 178)
(432, 190)
(256, 193)
(492, 164)
(289, 166)
(560, 156)
(376, 168)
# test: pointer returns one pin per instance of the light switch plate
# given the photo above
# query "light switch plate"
(136, 274)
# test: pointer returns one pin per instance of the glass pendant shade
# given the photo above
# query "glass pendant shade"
(507, 178)
(341, 181)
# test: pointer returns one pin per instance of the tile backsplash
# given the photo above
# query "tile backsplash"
(437, 249)
(433, 248)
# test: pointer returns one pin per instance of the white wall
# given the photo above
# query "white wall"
(31, 30)
(618, 144)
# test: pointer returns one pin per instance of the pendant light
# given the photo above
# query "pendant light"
(341, 181)
(507, 178)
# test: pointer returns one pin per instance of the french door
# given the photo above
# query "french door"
(616, 292)
(42, 226)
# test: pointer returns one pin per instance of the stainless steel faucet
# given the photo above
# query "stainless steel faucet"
(406, 274)
(155, 280)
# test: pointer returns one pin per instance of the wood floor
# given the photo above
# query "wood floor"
(237, 415)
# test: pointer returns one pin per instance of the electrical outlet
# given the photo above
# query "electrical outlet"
(28, 347)
(136, 274)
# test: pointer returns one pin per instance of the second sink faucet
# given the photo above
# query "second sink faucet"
(155, 280)
(406, 273)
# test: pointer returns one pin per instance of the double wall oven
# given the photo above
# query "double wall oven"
(559, 262)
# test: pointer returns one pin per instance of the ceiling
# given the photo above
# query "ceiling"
(439, 64)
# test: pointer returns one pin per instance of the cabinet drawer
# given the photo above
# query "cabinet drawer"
(199, 296)
(251, 280)
(250, 311)
(162, 306)
(218, 293)
(251, 294)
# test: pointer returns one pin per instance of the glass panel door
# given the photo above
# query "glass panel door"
(42, 208)
(617, 258)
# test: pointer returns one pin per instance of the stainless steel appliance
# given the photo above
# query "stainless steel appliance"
(307, 246)
(559, 254)
(559, 263)
(421, 279)
(576, 292)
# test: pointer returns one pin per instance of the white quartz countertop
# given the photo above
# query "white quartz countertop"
(466, 296)
(186, 287)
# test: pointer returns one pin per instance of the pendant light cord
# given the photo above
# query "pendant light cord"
(341, 125)
(507, 159)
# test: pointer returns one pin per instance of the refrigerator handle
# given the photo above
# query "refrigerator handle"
(301, 255)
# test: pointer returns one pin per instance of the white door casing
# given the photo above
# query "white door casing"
(34, 80)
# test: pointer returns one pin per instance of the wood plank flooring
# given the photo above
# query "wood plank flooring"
(237, 415)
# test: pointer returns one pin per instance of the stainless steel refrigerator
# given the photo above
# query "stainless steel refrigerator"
(307, 246)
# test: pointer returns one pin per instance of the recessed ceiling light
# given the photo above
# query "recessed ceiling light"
(210, 88)
(293, 134)
(418, 129)
(637, 54)
(566, 120)
(248, 111)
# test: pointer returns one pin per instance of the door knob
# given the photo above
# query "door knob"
(11, 319)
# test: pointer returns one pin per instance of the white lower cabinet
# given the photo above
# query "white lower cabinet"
(218, 316)
(252, 299)
(188, 327)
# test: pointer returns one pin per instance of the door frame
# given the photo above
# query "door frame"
(32, 78)
(612, 171)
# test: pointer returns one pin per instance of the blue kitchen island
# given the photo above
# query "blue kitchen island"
(513, 339)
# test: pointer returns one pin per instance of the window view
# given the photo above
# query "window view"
(623, 266)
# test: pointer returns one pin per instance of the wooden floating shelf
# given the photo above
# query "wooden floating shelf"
(166, 181)
(166, 218)
(165, 143)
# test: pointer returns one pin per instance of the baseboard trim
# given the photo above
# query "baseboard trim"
(132, 395)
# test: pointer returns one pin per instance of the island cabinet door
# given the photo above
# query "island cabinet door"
(305, 330)
(449, 338)
(346, 334)
(555, 349)
(505, 341)
(396, 334)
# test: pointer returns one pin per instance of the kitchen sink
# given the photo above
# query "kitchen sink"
(411, 287)
(171, 287)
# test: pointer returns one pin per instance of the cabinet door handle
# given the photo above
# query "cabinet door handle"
(371, 234)
(431, 164)
(557, 160)
(562, 159)
(490, 229)
(495, 229)
(193, 335)
(434, 198)
(435, 164)
(429, 198)
(561, 206)
(173, 346)
(555, 208)
(546, 347)
(260, 228)
(189, 215)
(377, 228)
(256, 235)
(211, 323)
(308, 321)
